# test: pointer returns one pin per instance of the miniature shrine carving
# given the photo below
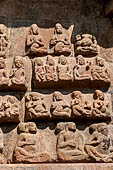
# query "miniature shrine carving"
(35, 42)
(36, 107)
(27, 145)
(86, 45)
(60, 42)
(59, 107)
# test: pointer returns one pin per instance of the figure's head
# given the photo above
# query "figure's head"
(78, 37)
(57, 96)
(80, 60)
(11, 100)
(67, 126)
(2, 63)
(76, 95)
(71, 126)
(50, 61)
(2, 27)
(39, 62)
(62, 60)
(32, 127)
(34, 29)
(22, 128)
(58, 28)
(18, 62)
(98, 95)
(100, 61)
(87, 36)
(102, 128)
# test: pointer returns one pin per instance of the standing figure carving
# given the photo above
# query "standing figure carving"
(27, 144)
(35, 42)
(64, 70)
(50, 69)
(36, 107)
(39, 70)
(60, 108)
(60, 41)
(4, 80)
(70, 143)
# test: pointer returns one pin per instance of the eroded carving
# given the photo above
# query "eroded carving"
(60, 41)
(60, 108)
(35, 42)
(17, 75)
(99, 71)
(80, 106)
(3, 41)
(4, 80)
(39, 70)
(98, 143)
(63, 68)
(9, 109)
(36, 107)
(86, 45)
(28, 144)
(70, 143)
(81, 69)
(50, 69)
(100, 105)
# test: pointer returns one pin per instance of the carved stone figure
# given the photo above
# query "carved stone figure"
(100, 105)
(81, 69)
(1, 148)
(60, 41)
(99, 71)
(3, 41)
(50, 69)
(79, 106)
(39, 70)
(59, 107)
(64, 70)
(35, 42)
(9, 109)
(27, 144)
(70, 143)
(17, 75)
(86, 45)
(36, 107)
(98, 143)
(4, 80)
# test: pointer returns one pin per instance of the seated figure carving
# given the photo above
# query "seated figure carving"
(79, 106)
(27, 144)
(3, 41)
(70, 143)
(86, 45)
(98, 143)
(50, 69)
(100, 105)
(64, 70)
(17, 75)
(4, 80)
(35, 42)
(9, 109)
(59, 107)
(81, 69)
(99, 71)
(60, 41)
(39, 70)
(36, 107)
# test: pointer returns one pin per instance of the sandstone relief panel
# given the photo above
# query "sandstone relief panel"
(71, 106)
(50, 72)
